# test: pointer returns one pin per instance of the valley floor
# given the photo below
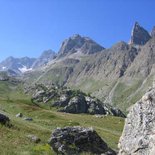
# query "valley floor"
(14, 141)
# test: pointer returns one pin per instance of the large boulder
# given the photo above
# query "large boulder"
(77, 104)
(4, 120)
(138, 137)
(75, 140)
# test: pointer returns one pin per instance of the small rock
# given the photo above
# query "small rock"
(28, 119)
(99, 116)
(4, 119)
(34, 138)
(19, 115)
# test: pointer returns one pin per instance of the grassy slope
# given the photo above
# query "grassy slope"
(14, 141)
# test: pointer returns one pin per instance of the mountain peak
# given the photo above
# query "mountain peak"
(77, 43)
(121, 46)
(139, 35)
(45, 57)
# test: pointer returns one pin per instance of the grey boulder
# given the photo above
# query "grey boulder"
(76, 140)
(138, 137)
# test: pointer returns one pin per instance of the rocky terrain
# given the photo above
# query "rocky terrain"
(139, 35)
(83, 85)
(28, 125)
(75, 140)
(138, 136)
(118, 75)
(18, 66)
(70, 101)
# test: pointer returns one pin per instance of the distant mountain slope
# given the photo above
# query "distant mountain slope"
(144, 63)
(18, 65)
(45, 57)
(118, 75)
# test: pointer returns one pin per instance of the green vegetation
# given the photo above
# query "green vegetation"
(14, 141)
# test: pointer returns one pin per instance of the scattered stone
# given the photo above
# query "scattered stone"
(34, 138)
(4, 119)
(100, 116)
(19, 115)
(28, 119)
(75, 140)
(138, 137)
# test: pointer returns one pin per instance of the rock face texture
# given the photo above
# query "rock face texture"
(139, 35)
(45, 57)
(18, 65)
(143, 64)
(75, 140)
(138, 137)
(71, 101)
(77, 43)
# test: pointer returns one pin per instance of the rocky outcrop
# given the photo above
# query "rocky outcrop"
(75, 140)
(139, 35)
(138, 137)
(87, 104)
(72, 101)
(4, 120)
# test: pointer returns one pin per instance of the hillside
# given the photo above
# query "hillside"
(45, 120)
(118, 75)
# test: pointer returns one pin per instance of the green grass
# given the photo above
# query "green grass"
(13, 141)
(122, 92)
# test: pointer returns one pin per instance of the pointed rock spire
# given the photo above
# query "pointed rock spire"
(153, 32)
(139, 35)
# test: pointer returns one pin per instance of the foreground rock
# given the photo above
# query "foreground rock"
(4, 119)
(75, 140)
(138, 137)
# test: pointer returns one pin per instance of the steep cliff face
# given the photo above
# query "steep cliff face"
(138, 137)
(144, 63)
(139, 35)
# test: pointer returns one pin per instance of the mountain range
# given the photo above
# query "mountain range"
(118, 75)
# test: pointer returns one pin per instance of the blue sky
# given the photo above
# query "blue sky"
(28, 27)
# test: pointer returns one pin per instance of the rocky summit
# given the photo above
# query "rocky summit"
(138, 137)
(80, 44)
(75, 140)
(139, 35)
